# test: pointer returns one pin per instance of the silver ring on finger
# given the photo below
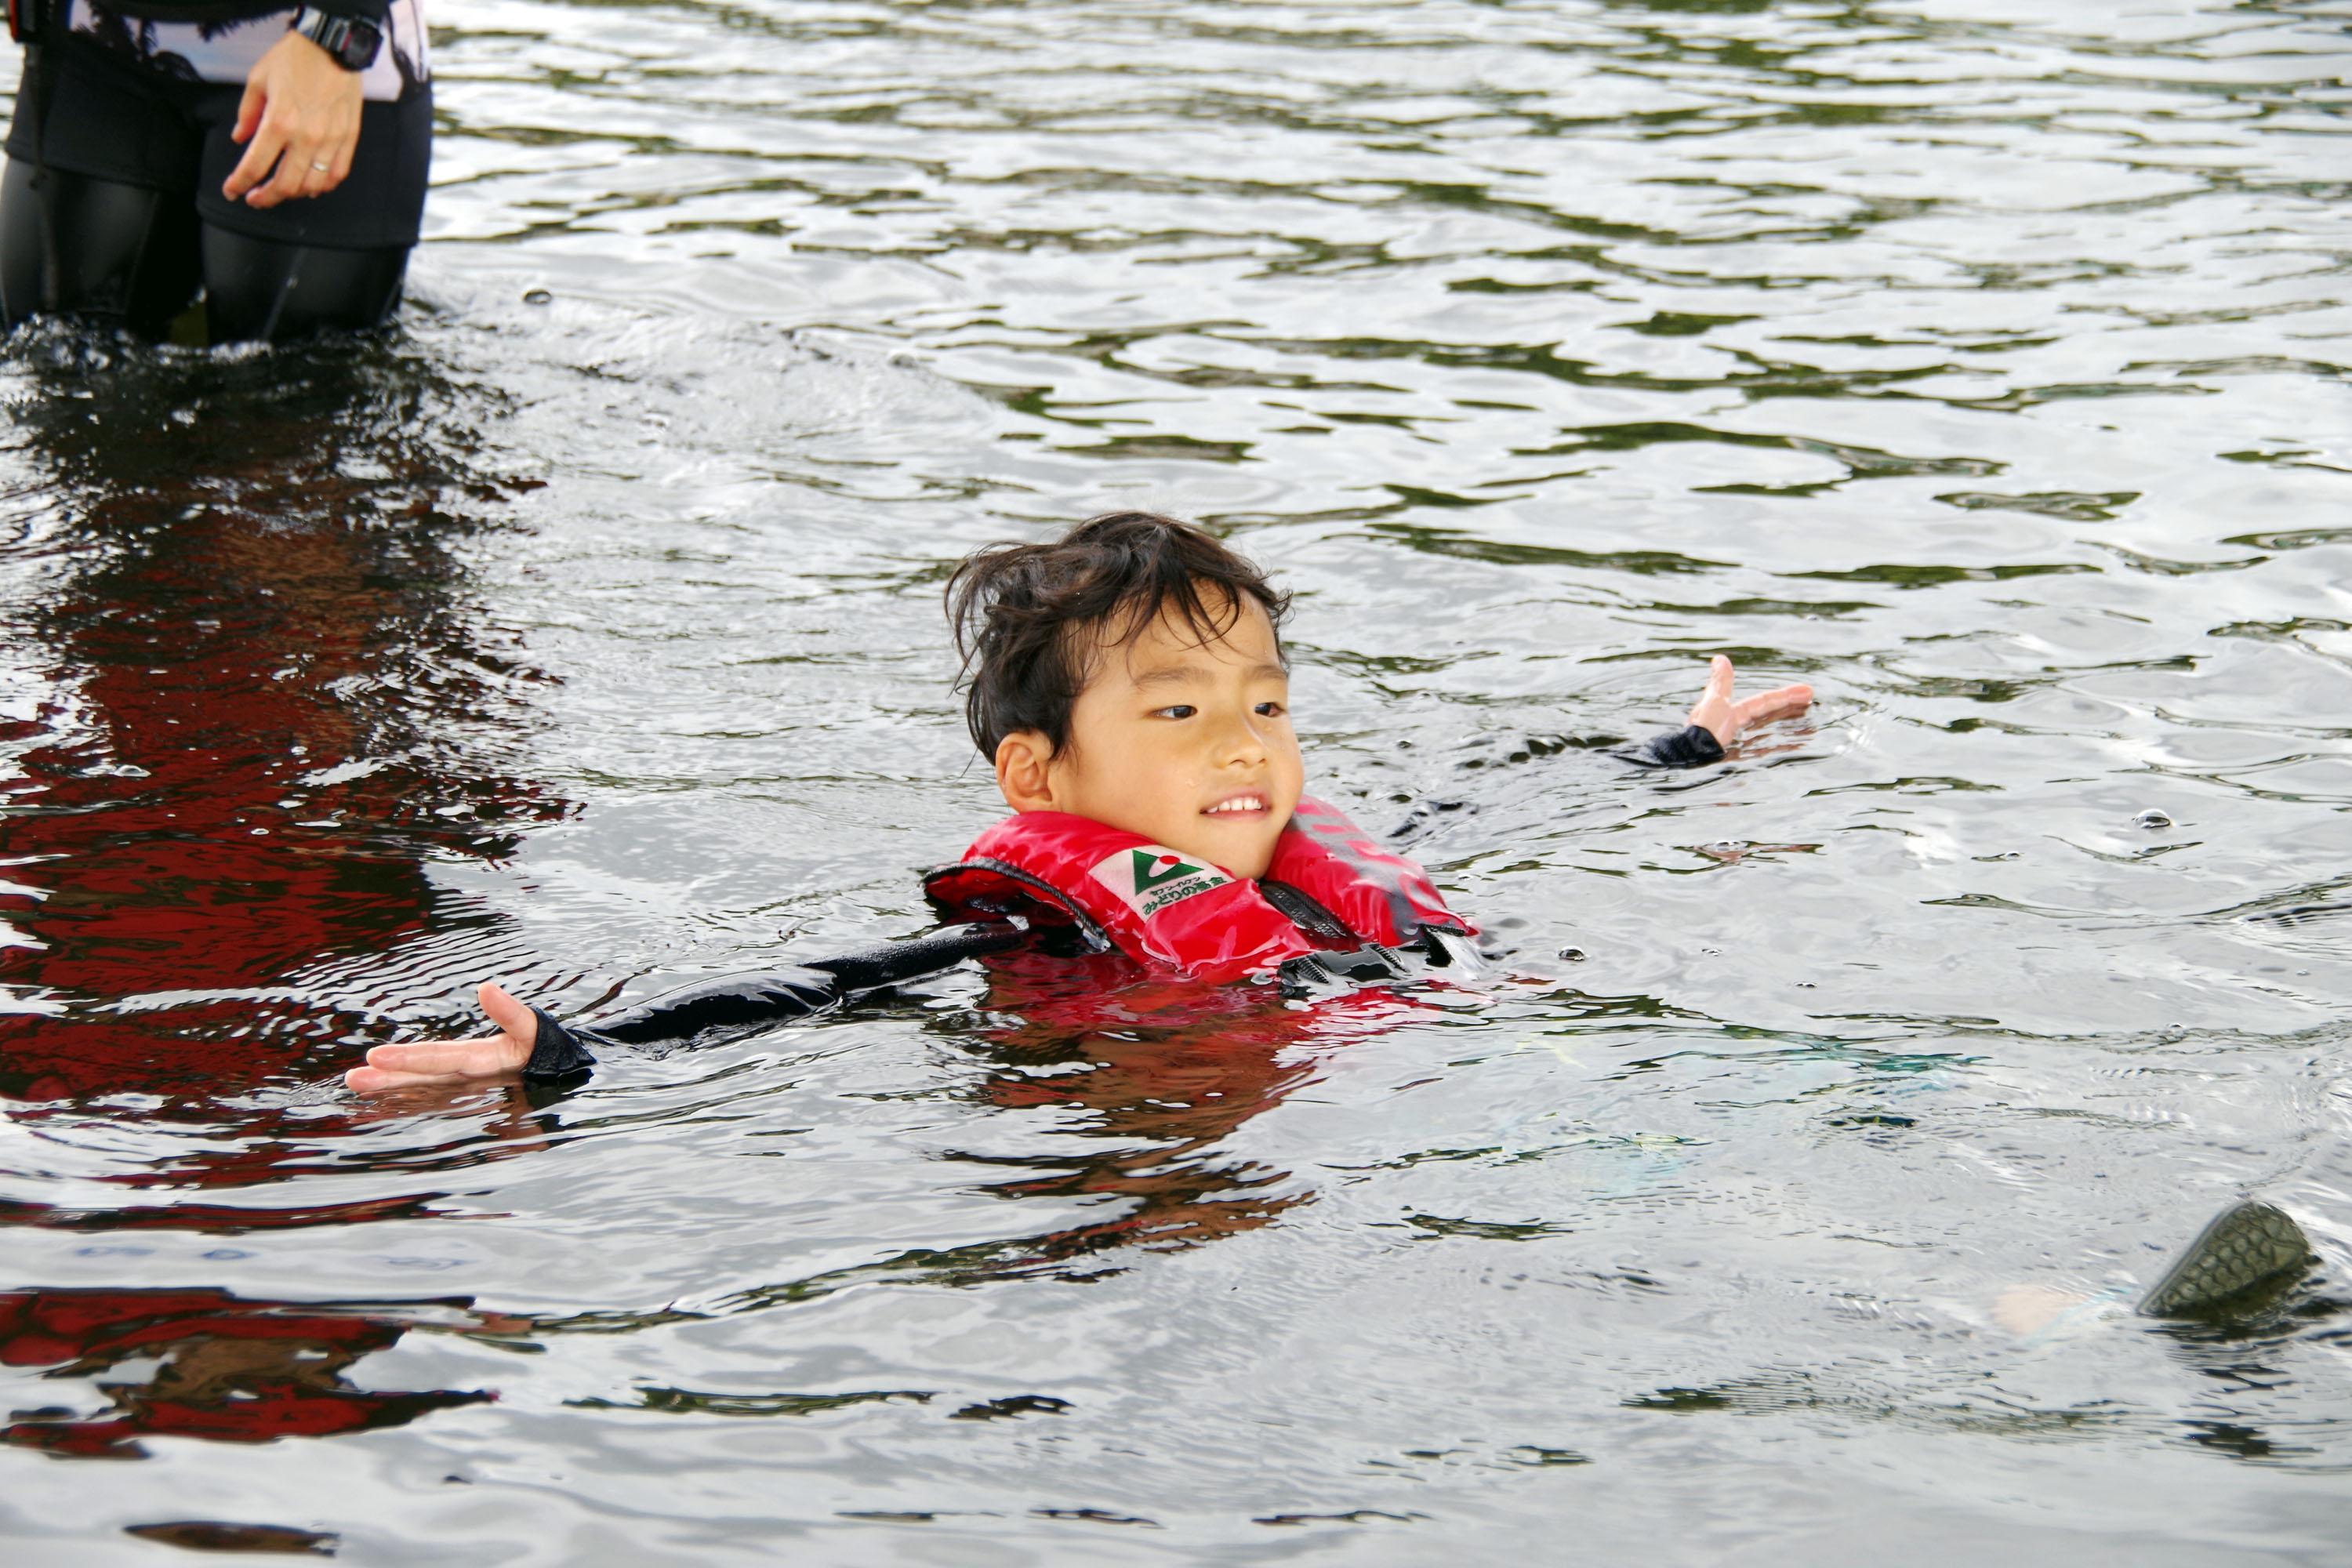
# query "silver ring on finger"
(323, 168)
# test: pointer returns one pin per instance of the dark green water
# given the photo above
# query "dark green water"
(1982, 364)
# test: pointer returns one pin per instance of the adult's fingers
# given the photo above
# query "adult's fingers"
(262, 151)
(335, 149)
(310, 163)
(294, 177)
(248, 111)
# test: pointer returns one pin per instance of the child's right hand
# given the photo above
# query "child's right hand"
(451, 1061)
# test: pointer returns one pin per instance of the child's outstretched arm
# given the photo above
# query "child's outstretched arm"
(533, 1043)
(1717, 720)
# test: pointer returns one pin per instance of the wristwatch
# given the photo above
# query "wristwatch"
(351, 42)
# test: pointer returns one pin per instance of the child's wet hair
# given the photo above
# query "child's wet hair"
(1022, 613)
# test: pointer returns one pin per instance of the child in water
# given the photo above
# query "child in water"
(1128, 684)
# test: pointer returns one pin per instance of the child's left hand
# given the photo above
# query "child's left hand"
(1717, 713)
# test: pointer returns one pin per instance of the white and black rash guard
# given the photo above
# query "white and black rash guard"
(220, 43)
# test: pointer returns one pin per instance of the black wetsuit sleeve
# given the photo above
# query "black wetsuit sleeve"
(557, 1054)
(1692, 746)
(719, 1010)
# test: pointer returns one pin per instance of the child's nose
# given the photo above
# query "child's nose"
(1246, 744)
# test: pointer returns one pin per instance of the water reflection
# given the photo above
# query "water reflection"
(216, 1219)
(269, 707)
(1159, 1075)
(1154, 1078)
(229, 1370)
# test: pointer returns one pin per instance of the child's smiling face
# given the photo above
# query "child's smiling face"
(1185, 742)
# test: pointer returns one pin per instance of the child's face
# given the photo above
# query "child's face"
(1188, 743)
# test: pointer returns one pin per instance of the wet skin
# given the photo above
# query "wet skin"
(1183, 740)
(299, 123)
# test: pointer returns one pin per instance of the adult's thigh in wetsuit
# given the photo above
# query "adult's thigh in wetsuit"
(96, 210)
(74, 245)
(258, 288)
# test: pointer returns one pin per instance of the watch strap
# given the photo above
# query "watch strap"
(351, 42)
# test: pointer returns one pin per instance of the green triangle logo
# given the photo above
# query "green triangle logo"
(1149, 873)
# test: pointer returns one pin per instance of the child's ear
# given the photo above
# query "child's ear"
(1023, 771)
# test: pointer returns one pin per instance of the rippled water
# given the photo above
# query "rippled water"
(1982, 364)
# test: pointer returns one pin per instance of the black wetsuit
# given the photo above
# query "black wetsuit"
(744, 1003)
(112, 206)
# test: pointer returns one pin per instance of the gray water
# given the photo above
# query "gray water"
(1981, 364)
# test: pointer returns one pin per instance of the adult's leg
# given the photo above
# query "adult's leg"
(97, 214)
(95, 248)
(261, 290)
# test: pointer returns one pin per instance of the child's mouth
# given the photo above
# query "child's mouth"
(1238, 806)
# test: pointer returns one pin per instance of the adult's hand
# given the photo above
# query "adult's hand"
(452, 1061)
(1718, 713)
(300, 115)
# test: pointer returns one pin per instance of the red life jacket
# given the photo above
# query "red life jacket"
(1330, 886)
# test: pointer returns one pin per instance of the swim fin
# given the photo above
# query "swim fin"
(2246, 1246)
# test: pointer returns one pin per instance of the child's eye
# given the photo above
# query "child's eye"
(1181, 711)
(1270, 709)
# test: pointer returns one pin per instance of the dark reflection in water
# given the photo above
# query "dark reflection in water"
(268, 704)
(1163, 1073)
(221, 1535)
(215, 1219)
(232, 1371)
(1157, 1076)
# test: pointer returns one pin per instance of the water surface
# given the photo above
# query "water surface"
(1982, 364)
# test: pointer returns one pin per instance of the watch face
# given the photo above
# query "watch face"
(356, 49)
